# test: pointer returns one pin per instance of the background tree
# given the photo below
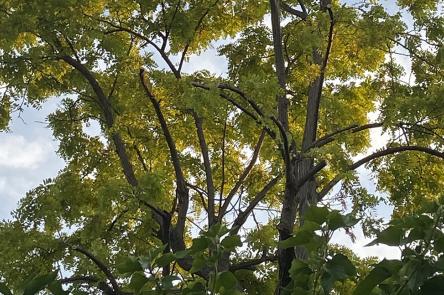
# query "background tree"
(181, 151)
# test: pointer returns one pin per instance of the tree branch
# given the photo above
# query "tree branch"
(160, 50)
(201, 193)
(181, 186)
(282, 108)
(222, 183)
(100, 265)
(74, 279)
(378, 154)
(244, 175)
(315, 91)
(187, 45)
(109, 118)
(251, 264)
(243, 215)
(207, 166)
(331, 137)
(301, 14)
(239, 106)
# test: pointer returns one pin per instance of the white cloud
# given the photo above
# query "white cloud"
(359, 246)
(18, 153)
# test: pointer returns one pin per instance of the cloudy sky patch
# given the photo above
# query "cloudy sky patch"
(16, 152)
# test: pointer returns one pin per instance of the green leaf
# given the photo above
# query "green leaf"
(317, 214)
(300, 238)
(56, 288)
(336, 220)
(167, 282)
(4, 289)
(341, 267)
(438, 244)
(165, 259)
(129, 265)
(226, 281)
(433, 286)
(300, 274)
(439, 264)
(231, 242)
(390, 236)
(217, 230)
(195, 288)
(198, 263)
(199, 245)
(38, 283)
(181, 254)
(338, 268)
(138, 280)
(377, 275)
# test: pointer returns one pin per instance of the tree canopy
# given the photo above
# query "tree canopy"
(166, 199)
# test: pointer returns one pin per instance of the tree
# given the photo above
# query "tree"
(180, 151)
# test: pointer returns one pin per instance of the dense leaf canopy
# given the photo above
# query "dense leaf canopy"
(167, 198)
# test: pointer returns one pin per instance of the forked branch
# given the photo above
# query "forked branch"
(243, 215)
(243, 176)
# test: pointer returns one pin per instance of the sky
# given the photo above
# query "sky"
(28, 155)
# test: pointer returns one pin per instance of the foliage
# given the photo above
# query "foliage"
(203, 184)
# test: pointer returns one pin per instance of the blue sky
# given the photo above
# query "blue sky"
(28, 154)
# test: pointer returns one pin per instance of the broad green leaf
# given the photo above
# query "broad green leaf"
(138, 280)
(167, 282)
(391, 236)
(231, 242)
(195, 288)
(38, 283)
(56, 288)
(438, 244)
(433, 286)
(199, 244)
(336, 220)
(226, 281)
(338, 268)
(165, 259)
(217, 230)
(181, 254)
(300, 274)
(377, 275)
(198, 263)
(129, 265)
(300, 238)
(317, 214)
